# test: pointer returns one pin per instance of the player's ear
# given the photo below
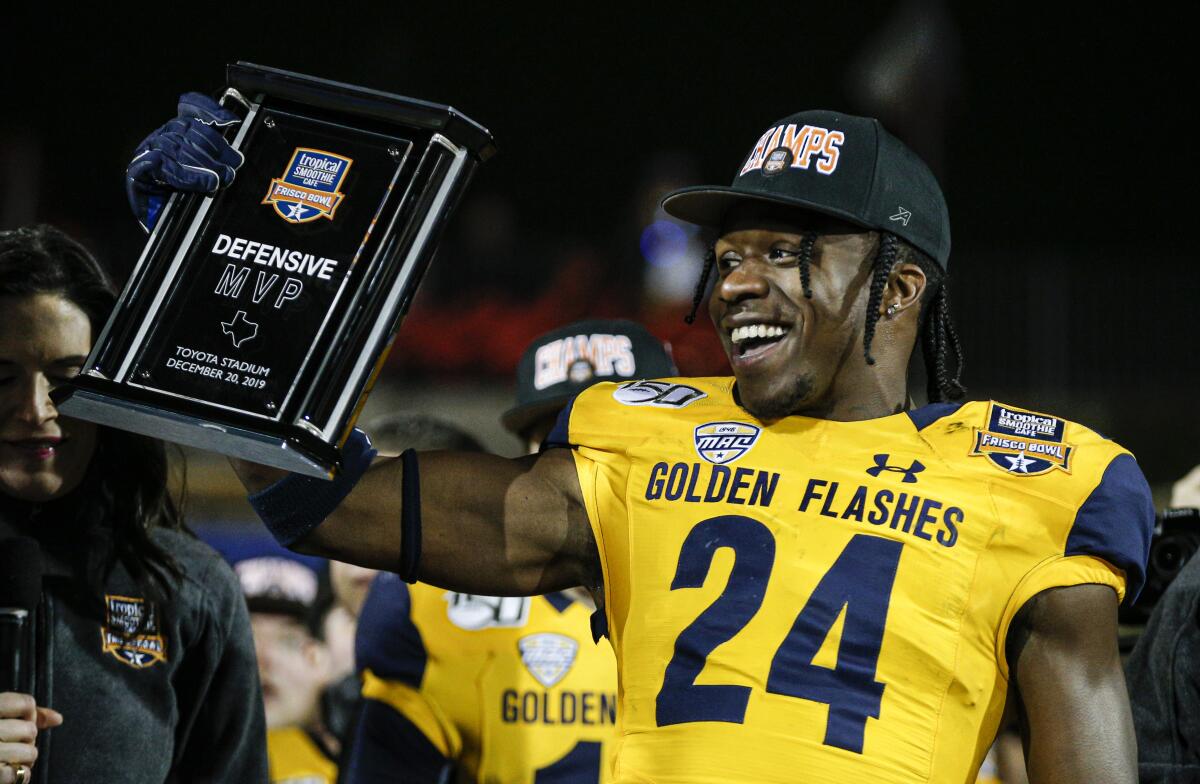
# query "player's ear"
(905, 286)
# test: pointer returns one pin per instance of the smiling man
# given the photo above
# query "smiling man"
(803, 576)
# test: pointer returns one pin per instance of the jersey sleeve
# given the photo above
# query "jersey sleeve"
(559, 436)
(1108, 543)
(389, 749)
(390, 656)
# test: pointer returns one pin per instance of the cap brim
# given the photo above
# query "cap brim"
(518, 419)
(707, 205)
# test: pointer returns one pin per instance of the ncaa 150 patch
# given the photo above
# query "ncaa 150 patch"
(1023, 442)
(309, 186)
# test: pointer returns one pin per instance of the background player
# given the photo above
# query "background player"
(506, 689)
(1007, 562)
(294, 667)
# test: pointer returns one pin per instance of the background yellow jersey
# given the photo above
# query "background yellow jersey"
(512, 689)
(828, 601)
(295, 758)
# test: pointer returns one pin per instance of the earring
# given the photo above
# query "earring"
(891, 309)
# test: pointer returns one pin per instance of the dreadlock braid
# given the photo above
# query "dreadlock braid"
(710, 260)
(937, 335)
(805, 257)
(885, 259)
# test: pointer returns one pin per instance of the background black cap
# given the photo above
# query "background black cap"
(560, 364)
(835, 164)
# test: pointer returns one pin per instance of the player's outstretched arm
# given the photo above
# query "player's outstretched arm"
(488, 525)
(1074, 710)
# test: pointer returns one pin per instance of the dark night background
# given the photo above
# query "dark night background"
(1059, 139)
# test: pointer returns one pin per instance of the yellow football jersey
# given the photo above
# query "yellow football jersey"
(828, 601)
(295, 758)
(513, 689)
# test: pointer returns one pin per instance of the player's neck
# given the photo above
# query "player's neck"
(859, 394)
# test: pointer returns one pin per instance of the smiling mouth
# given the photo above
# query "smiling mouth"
(752, 340)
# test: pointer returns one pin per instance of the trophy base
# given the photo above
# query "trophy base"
(226, 439)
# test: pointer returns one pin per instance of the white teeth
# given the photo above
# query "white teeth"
(756, 332)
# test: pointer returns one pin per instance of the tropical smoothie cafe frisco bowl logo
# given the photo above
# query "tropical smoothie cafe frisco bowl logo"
(127, 637)
(1023, 442)
(308, 189)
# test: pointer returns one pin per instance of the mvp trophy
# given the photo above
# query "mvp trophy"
(257, 319)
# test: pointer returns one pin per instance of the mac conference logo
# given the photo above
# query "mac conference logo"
(548, 656)
(724, 442)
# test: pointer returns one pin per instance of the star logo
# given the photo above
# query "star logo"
(1019, 463)
(902, 216)
(295, 211)
(239, 329)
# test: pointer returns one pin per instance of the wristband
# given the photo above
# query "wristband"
(296, 504)
(410, 518)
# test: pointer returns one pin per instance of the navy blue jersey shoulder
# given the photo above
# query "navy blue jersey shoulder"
(387, 642)
(925, 416)
(1116, 522)
(560, 434)
(559, 601)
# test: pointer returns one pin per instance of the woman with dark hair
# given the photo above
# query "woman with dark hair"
(141, 642)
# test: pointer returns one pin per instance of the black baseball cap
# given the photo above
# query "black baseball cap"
(560, 364)
(836, 164)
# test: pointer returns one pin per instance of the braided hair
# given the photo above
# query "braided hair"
(938, 336)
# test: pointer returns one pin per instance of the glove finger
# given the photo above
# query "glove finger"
(184, 167)
(225, 174)
(208, 141)
(145, 167)
(189, 177)
(175, 126)
(206, 110)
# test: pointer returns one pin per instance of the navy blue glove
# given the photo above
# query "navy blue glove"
(187, 154)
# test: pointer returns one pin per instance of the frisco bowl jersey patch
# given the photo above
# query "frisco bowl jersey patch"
(127, 637)
(1022, 442)
(309, 186)
(548, 656)
(724, 442)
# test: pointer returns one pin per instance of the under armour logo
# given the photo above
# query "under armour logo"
(902, 216)
(910, 473)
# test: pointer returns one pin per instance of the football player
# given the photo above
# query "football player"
(802, 574)
(500, 688)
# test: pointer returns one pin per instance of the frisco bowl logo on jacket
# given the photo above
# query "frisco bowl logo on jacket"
(309, 186)
(125, 635)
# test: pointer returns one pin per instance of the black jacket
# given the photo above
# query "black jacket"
(1163, 674)
(179, 702)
